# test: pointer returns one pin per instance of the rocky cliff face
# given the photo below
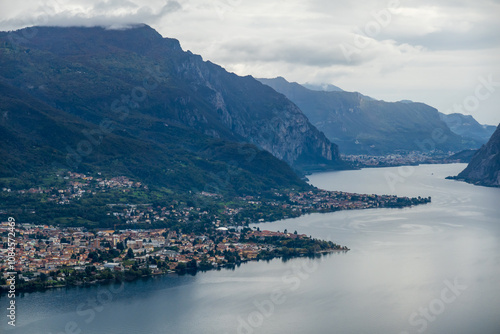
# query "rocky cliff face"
(262, 116)
(484, 169)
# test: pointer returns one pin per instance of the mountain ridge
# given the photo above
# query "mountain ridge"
(362, 125)
(466, 126)
(92, 73)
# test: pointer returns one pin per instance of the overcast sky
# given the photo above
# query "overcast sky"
(443, 53)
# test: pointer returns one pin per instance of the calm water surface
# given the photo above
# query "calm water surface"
(428, 269)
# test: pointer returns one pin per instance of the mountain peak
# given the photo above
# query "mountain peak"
(138, 38)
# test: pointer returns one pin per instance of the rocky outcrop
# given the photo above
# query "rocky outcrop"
(484, 169)
(261, 115)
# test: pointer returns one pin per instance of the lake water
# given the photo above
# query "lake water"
(433, 268)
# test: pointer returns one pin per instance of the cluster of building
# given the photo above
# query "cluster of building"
(242, 210)
(42, 249)
(391, 160)
(322, 200)
(45, 249)
(77, 185)
(294, 203)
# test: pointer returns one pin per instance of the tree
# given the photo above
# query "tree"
(181, 266)
(130, 254)
(192, 265)
(94, 256)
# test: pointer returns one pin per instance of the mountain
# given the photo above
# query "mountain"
(467, 127)
(464, 156)
(323, 87)
(36, 138)
(130, 102)
(139, 80)
(484, 169)
(362, 125)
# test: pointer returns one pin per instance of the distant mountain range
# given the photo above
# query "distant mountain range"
(467, 127)
(134, 103)
(484, 169)
(362, 125)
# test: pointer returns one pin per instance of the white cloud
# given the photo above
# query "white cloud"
(109, 13)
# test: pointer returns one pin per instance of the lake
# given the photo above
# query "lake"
(433, 268)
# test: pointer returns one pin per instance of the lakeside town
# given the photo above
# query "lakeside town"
(142, 239)
(202, 206)
(411, 158)
(48, 256)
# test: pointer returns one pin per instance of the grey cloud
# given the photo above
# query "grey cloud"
(478, 38)
(113, 4)
(481, 15)
(293, 52)
(428, 52)
(101, 14)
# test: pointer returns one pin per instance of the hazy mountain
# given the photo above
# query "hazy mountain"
(360, 124)
(484, 169)
(466, 126)
(176, 120)
(323, 87)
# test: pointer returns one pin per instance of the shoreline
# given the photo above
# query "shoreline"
(104, 282)
(126, 255)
